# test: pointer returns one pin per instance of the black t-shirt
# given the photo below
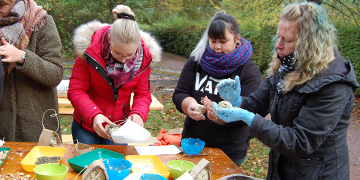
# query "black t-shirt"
(194, 82)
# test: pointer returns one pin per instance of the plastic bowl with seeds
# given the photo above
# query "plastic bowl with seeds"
(117, 168)
(28, 163)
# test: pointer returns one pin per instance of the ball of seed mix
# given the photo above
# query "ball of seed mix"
(200, 108)
(225, 104)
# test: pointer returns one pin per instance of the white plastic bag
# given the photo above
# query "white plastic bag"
(130, 132)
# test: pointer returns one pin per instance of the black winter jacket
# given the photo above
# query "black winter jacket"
(232, 138)
(307, 131)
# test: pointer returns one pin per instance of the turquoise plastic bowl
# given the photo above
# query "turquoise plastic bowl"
(152, 177)
(51, 171)
(78, 163)
(117, 168)
(192, 146)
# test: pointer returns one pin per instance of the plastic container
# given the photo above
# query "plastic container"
(79, 162)
(51, 171)
(28, 163)
(151, 163)
(152, 177)
(192, 146)
(117, 168)
(179, 167)
(6, 149)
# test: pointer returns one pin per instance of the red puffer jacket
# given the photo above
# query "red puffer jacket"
(92, 93)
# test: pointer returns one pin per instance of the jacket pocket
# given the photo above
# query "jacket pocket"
(307, 168)
(238, 135)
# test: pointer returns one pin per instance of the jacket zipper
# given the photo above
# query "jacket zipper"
(125, 116)
(111, 85)
(95, 61)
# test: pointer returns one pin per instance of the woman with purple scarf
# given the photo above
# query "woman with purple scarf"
(112, 62)
(220, 54)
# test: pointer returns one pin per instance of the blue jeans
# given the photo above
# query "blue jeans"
(84, 136)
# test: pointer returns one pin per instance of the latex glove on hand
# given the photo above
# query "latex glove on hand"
(230, 90)
(234, 114)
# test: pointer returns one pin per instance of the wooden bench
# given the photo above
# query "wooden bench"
(65, 107)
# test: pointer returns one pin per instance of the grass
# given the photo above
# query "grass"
(165, 73)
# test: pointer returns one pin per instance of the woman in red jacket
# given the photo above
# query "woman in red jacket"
(112, 62)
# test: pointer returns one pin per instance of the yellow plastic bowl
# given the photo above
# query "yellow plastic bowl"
(150, 162)
(51, 171)
(28, 163)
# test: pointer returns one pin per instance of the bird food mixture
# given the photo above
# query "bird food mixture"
(96, 174)
(203, 175)
(225, 104)
(54, 141)
(3, 155)
(111, 128)
(200, 108)
(147, 168)
(47, 159)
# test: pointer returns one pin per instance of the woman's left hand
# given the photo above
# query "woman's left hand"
(137, 119)
(9, 52)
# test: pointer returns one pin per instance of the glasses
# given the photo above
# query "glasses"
(120, 56)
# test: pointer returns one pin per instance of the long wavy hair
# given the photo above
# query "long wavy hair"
(216, 29)
(315, 44)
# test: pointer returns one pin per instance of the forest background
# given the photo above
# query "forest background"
(179, 24)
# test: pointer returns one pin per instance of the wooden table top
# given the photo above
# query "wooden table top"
(221, 165)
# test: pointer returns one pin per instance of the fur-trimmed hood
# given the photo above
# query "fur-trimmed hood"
(83, 34)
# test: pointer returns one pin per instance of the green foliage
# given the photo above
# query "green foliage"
(261, 41)
(252, 15)
(349, 44)
(177, 35)
(69, 14)
(180, 36)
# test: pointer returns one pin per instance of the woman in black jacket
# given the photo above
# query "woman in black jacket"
(309, 95)
(220, 54)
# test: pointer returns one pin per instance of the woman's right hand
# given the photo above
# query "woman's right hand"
(98, 128)
(193, 114)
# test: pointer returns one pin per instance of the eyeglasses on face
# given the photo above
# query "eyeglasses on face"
(120, 56)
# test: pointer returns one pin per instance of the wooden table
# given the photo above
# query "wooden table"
(65, 107)
(221, 165)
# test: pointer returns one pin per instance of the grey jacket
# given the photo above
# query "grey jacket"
(30, 90)
(307, 131)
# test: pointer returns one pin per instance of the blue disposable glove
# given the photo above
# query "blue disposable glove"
(230, 90)
(234, 114)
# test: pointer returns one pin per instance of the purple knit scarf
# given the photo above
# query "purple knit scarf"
(119, 72)
(221, 64)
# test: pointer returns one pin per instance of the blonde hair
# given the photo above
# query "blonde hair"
(125, 30)
(315, 43)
